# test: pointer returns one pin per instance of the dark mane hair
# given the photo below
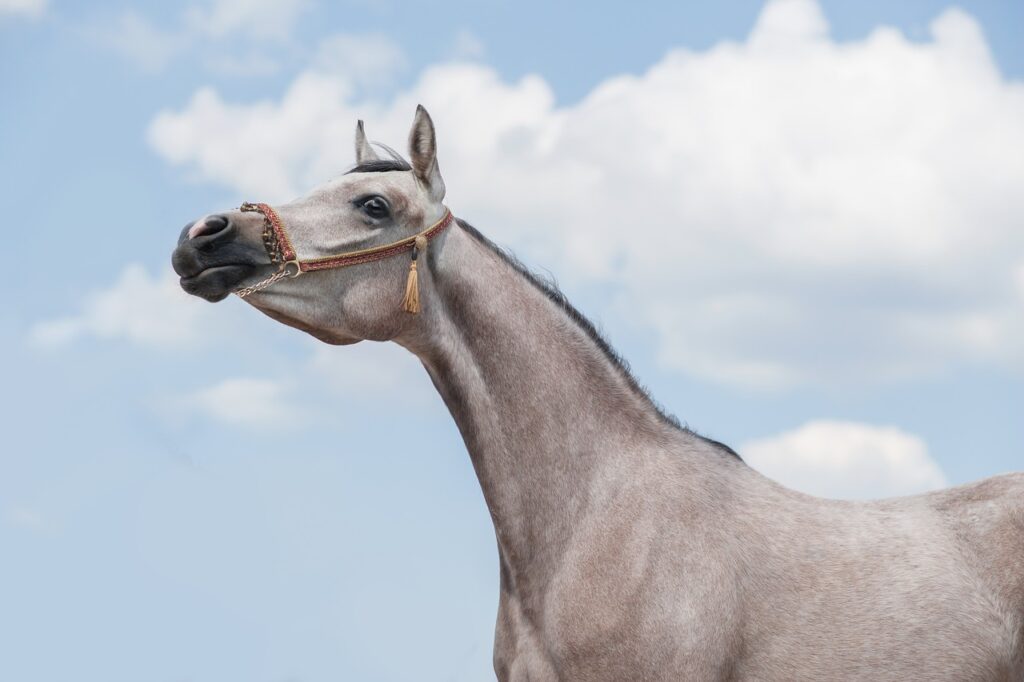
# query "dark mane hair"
(380, 166)
(395, 162)
(549, 288)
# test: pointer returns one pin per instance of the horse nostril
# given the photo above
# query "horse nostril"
(208, 226)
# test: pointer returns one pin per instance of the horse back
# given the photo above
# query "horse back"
(987, 518)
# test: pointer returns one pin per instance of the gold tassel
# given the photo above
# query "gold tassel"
(411, 302)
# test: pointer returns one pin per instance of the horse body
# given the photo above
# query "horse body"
(789, 588)
(881, 590)
(630, 548)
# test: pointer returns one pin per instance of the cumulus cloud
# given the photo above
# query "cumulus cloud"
(153, 312)
(467, 45)
(846, 460)
(259, 403)
(139, 308)
(353, 376)
(251, 64)
(201, 31)
(779, 211)
(28, 8)
(138, 40)
(270, 158)
(259, 18)
(26, 518)
(364, 59)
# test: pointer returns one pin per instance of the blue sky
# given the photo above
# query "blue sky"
(193, 492)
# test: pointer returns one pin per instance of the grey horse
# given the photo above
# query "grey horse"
(630, 548)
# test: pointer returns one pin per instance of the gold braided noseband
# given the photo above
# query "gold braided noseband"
(280, 248)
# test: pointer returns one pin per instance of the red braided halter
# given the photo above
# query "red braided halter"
(274, 221)
(279, 246)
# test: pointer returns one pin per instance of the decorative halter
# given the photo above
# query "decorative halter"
(280, 249)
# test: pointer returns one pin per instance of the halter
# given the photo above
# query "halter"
(280, 249)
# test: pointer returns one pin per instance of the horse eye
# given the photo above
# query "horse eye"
(375, 207)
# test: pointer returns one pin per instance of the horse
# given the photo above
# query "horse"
(630, 548)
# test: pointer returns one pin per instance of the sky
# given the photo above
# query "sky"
(801, 222)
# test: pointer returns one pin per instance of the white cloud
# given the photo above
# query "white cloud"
(258, 18)
(26, 518)
(846, 460)
(29, 8)
(144, 44)
(790, 23)
(251, 64)
(202, 31)
(467, 45)
(266, 150)
(351, 377)
(153, 312)
(366, 59)
(138, 307)
(260, 403)
(785, 210)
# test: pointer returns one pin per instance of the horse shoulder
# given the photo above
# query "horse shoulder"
(641, 592)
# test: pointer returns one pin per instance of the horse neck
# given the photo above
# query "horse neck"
(552, 424)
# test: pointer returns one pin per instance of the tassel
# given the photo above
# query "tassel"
(411, 302)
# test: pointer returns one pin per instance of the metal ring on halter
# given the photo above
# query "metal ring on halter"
(298, 268)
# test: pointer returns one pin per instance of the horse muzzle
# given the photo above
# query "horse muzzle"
(213, 259)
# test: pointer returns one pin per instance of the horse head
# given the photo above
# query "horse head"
(379, 210)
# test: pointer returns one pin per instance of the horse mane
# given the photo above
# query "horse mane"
(380, 166)
(395, 162)
(549, 287)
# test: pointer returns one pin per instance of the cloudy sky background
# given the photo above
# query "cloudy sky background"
(801, 222)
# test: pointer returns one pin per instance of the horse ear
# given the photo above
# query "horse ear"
(364, 152)
(423, 152)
